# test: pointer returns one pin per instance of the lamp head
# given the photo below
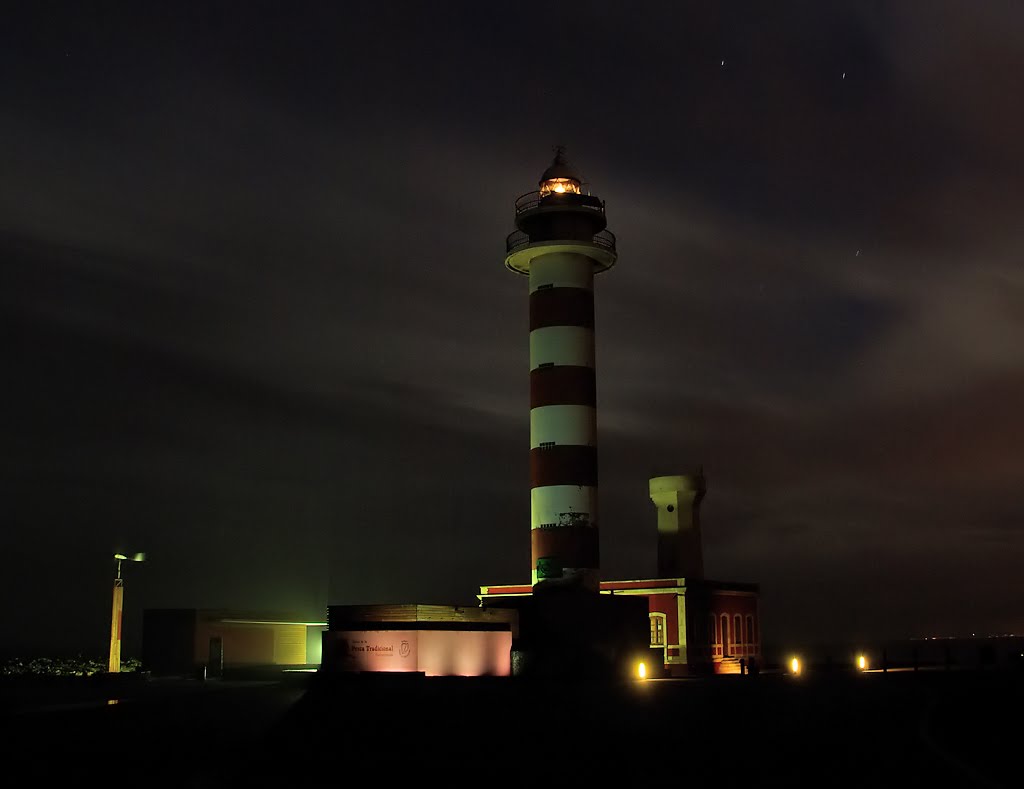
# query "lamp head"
(559, 178)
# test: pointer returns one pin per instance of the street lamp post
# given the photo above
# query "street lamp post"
(114, 664)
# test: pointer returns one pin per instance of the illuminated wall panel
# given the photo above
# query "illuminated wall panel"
(464, 653)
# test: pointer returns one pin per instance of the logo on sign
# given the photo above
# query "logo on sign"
(404, 649)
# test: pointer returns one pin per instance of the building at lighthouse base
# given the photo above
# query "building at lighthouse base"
(690, 627)
(571, 632)
(693, 625)
(563, 631)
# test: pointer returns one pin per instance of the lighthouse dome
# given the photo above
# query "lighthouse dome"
(559, 178)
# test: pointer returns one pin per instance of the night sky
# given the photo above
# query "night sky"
(255, 319)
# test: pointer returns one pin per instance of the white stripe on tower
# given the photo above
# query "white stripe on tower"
(547, 503)
(561, 345)
(563, 424)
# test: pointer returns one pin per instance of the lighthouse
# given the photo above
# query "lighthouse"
(560, 243)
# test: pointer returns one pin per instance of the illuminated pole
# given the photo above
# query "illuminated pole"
(560, 243)
(114, 663)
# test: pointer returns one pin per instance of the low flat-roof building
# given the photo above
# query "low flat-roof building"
(184, 641)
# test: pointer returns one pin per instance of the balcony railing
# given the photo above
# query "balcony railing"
(518, 239)
(531, 200)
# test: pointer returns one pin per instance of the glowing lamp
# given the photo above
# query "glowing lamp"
(641, 670)
(559, 186)
(794, 666)
(862, 663)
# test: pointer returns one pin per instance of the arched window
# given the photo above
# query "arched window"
(737, 629)
(751, 636)
(657, 630)
(725, 634)
(712, 630)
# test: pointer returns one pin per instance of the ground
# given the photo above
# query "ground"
(939, 728)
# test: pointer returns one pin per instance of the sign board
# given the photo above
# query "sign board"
(465, 653)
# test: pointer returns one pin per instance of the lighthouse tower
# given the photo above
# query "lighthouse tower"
(560, 243)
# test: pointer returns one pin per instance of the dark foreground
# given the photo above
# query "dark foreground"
(937, 728)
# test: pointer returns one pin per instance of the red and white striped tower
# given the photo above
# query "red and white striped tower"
(560, 243)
